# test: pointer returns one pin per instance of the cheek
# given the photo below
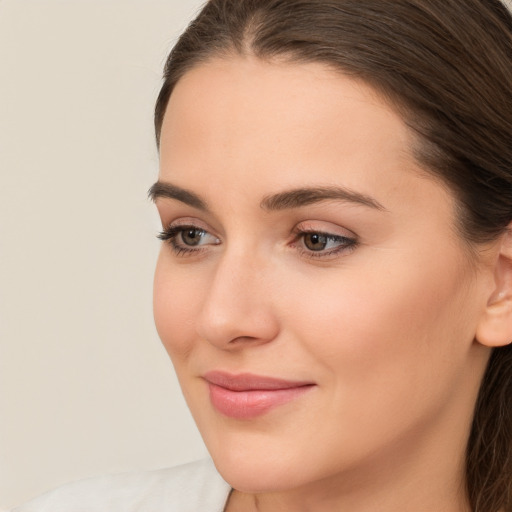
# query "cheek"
(175, 307)
(396, 332)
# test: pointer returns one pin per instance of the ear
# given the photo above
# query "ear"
(495, 326)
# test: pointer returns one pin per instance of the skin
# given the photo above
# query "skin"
(385, 328)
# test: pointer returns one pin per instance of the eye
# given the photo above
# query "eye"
(316, 241)
(317, 244)
(192, 236)
(187, 239)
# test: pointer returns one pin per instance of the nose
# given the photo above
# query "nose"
(238, 309)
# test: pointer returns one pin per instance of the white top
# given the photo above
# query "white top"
(194, 487)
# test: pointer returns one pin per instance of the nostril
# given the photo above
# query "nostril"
(243, 339)
(232, 328)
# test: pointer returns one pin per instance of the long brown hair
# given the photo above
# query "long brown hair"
(446, 66)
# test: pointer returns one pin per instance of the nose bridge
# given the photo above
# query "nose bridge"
(238, 305)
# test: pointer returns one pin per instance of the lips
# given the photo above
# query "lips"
(246, 396)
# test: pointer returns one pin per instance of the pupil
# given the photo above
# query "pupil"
(191, 237)
(315, 242)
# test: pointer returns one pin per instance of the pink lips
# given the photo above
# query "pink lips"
(246, 396)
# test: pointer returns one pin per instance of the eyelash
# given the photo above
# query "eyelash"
(346, 244)
(170, 234)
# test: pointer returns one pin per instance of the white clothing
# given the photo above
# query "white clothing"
(194, 487)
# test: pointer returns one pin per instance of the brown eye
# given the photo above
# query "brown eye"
(188, 239)
(324, 245)
(192, 236)
(315, 241)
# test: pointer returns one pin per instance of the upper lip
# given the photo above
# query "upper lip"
(251, 382)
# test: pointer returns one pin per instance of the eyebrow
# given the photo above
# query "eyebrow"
(309, 195)
(169, 191)
(288, 199)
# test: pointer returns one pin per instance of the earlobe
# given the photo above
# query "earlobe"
(495, 326)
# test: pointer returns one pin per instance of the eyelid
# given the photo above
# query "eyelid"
(172, 231)
(186, 222)
(324, 228)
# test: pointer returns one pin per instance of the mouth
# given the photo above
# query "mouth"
(246, 396)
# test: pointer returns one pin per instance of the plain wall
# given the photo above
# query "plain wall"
(85, 386)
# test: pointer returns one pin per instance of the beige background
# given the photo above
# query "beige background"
(85, 387)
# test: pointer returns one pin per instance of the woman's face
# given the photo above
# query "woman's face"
(318, 306)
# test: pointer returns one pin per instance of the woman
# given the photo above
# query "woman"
(335, 283)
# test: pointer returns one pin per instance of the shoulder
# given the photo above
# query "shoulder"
(191, 487)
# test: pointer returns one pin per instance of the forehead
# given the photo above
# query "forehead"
(243, 118)
(263, 97)
(241, 108)
(246, 127)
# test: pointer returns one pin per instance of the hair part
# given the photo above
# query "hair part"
(446, 66)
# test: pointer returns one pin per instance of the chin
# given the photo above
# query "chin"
(252, 466)
(257, 474)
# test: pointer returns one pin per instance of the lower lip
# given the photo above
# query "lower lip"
(253, 403)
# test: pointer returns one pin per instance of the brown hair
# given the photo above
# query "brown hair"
(446, 65)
